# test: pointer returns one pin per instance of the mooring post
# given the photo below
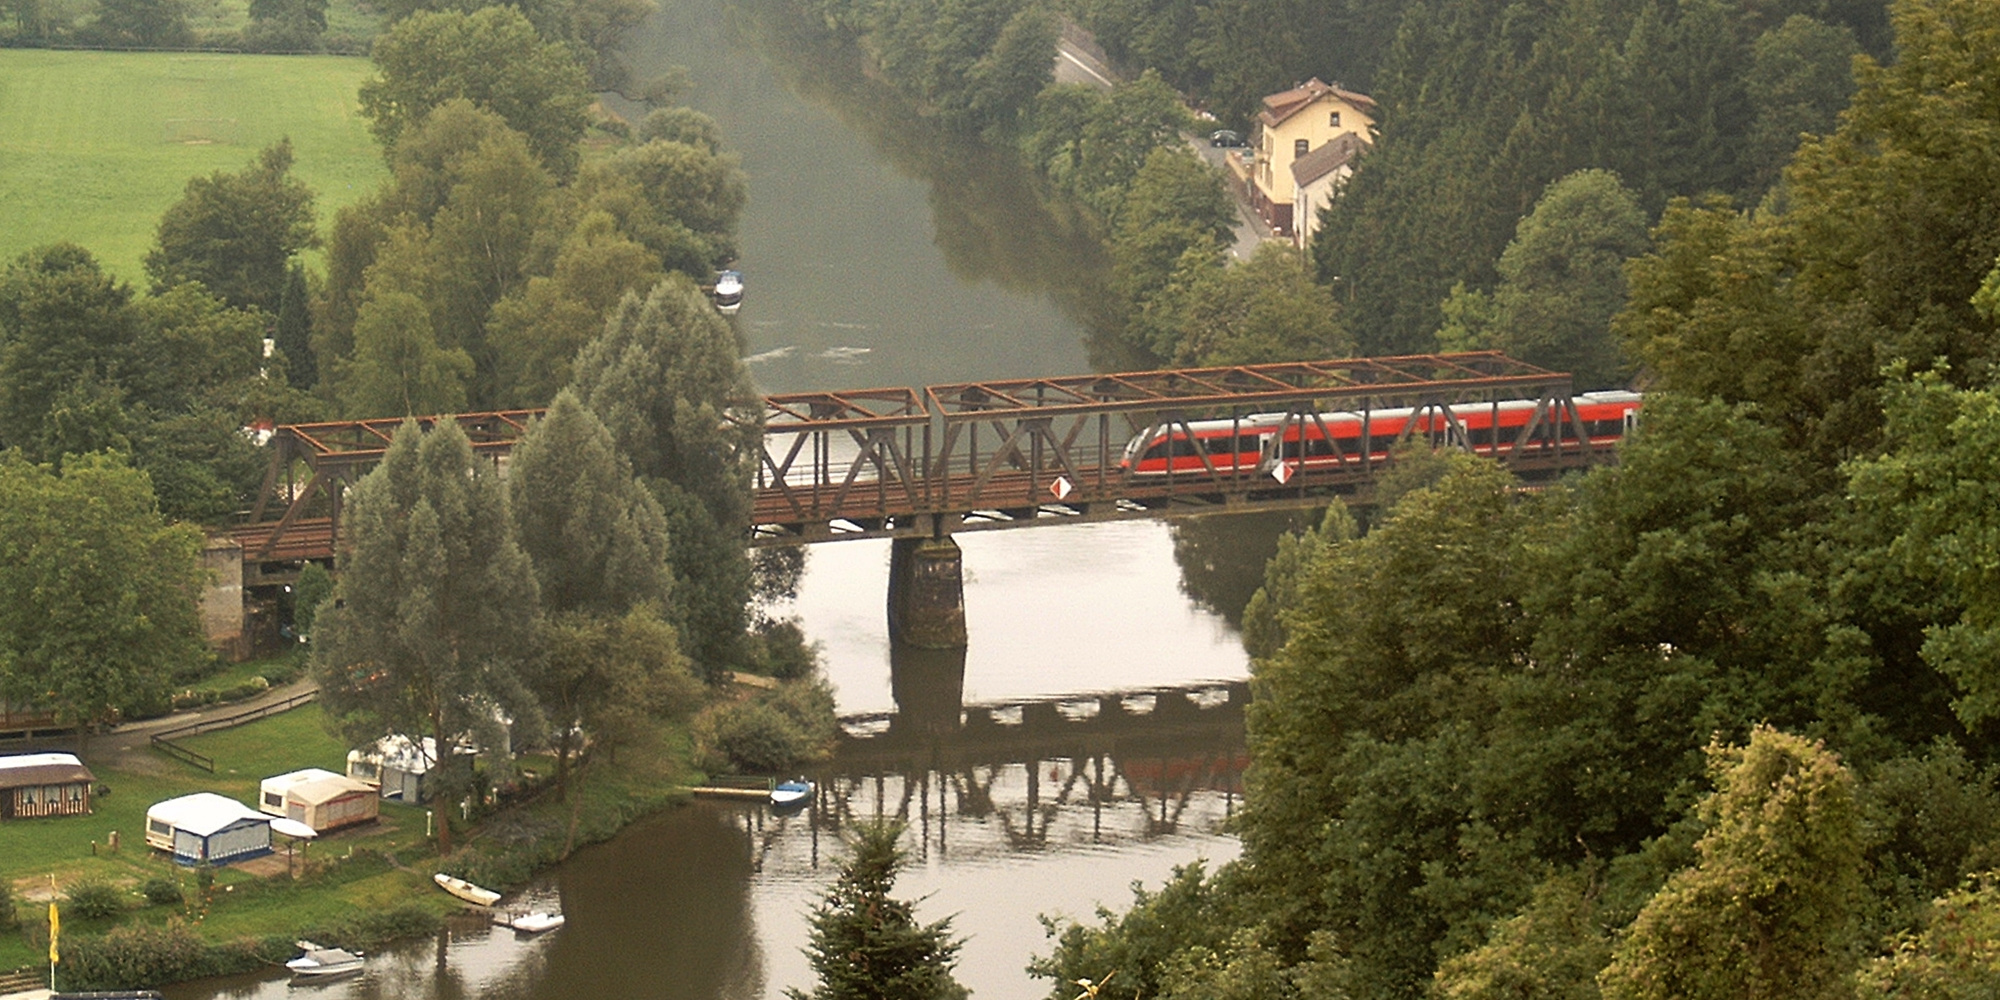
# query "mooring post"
(926, 593)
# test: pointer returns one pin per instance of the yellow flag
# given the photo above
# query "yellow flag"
(55, 931)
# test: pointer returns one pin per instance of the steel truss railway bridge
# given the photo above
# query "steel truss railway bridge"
(920, 466)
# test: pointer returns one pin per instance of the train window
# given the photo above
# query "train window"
(1183, 448)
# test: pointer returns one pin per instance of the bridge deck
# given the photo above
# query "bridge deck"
(973, 456)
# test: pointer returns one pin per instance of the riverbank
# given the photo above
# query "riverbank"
(362, 886)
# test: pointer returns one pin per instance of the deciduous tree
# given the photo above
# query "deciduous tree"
(98, 594)
(492, 57)
(436, 614)
(666, 377)
(62, 321)
(1768, 909)
(236, 233)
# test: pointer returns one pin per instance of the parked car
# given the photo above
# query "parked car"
(1225, 137)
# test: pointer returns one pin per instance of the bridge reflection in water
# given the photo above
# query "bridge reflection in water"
(1073, 772)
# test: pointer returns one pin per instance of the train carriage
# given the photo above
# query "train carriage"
(1257, 442)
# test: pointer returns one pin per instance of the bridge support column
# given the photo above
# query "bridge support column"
(926, 593)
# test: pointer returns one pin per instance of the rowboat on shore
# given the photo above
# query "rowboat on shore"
(466, 890)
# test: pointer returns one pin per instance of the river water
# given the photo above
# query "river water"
(879, 254)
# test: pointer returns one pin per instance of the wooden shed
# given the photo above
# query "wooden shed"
(206, 827)
(44, 784)
(332, 802)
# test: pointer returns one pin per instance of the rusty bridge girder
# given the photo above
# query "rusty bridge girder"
(1013, 453)
(893, 462)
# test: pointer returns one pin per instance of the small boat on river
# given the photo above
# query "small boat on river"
(325, 963)
(728, 292)
(466, 890)
(533, 922)
(791, 794)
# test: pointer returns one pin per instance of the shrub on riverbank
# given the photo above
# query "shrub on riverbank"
(779, 731)
(143, 957)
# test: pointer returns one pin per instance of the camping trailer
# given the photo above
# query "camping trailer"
(271, 791)
(332, 802)
(206, 827)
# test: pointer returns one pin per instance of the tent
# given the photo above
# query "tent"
(395, 764)
(271, 791)
(206, 827)
(332, 802)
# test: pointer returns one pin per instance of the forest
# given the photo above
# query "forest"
(1717, 722)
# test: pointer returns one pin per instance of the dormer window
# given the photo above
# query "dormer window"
(1299, 147)
(1333, 119)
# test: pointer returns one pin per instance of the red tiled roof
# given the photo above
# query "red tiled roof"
(1283, 105)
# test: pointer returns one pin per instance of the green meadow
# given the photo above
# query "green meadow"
(71, 849)
(95, 145)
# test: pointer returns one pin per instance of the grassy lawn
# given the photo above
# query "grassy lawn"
(32, 850)
(95, 145)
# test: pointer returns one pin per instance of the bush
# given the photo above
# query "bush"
(162, 891)
(791, 726)
(9, 918)
(144, 957)
(95, 899)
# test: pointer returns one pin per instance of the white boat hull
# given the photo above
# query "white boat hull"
(466, 890)
(531, 923)
(326, 963)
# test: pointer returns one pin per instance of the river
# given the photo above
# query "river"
(880, 254)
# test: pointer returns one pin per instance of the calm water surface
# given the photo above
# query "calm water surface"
(878, 254)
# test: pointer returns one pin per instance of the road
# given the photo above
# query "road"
(1080, 61)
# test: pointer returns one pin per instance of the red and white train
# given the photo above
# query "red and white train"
(1251, 443)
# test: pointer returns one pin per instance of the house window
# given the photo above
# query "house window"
(1333, 119)
(28, 795)
(1299, 147)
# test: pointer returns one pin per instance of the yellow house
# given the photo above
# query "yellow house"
(1293, 124)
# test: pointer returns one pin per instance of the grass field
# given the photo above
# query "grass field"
(73, 848)
(95, 145)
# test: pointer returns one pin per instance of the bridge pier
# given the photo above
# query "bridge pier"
(926, 593)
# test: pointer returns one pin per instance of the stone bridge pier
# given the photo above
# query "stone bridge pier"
(926, 593)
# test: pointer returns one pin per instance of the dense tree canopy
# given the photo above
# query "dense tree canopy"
(1561, 280)
(97, 594)
(237, 233)
(492, 57)
(667, 378)
(433, 624)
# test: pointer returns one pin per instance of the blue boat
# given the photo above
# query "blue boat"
(791, 794)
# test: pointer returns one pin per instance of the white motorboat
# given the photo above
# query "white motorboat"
(533, 922)
(466, 890)
(324, 963)
(791, 794)
(728, 292)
